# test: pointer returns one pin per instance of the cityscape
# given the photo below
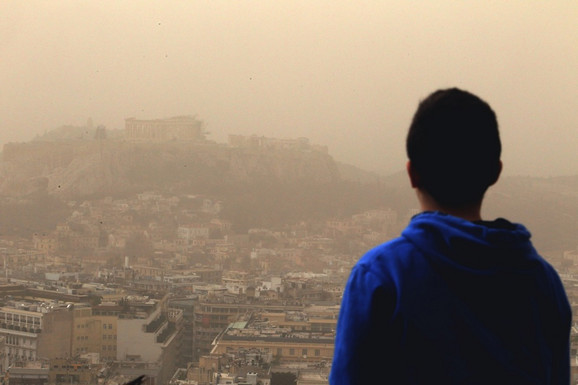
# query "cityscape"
(163, 285)
(186, 186)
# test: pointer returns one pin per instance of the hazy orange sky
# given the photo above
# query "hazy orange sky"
(346, 74)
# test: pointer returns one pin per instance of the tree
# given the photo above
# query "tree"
(283, 378)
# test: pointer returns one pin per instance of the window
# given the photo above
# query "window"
(291, 352)
(317, 352)
(279, 351)
(304, 352)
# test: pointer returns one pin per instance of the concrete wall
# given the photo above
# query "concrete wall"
(133, 341)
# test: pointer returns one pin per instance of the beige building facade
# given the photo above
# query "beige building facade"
(20, 329)
(94, 334)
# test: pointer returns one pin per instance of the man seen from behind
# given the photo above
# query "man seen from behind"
(455, 299)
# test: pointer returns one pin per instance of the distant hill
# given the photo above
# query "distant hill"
(547, 206)
(260, 187)
(352, 173)
(75, 169)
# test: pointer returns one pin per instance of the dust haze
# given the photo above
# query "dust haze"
(177, 243)
(343, 74)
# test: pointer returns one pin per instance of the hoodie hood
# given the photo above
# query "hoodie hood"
(486, 246)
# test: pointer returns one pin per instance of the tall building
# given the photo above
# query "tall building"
(94, 332)
(150, 333)
(56, 337)
(187, 305)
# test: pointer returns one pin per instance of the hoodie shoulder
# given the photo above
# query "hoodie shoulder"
(389, 258)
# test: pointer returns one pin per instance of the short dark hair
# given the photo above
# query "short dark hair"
(454, 146)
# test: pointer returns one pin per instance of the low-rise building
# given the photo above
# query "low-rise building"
(282, 343)
(66, 371)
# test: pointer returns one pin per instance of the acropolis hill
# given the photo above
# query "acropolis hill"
(263, 181)
(153, 152)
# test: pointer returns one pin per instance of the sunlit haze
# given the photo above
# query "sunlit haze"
(344, 74)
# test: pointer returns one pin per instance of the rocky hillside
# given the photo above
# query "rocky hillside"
(259, 187)
(77, 169)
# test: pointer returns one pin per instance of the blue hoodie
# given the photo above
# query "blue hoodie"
(453, 302)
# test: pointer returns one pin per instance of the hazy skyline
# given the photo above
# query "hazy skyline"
(344, 74)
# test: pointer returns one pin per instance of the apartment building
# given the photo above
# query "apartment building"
(94, 333)
(213, 314)
(20, 326)
(150, 333)
(295, 341)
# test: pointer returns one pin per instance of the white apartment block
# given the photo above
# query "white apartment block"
(20, 329)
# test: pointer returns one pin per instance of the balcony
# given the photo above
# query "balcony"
(156, 324)
(165, 334)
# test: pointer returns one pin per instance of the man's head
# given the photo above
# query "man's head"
(453, 145)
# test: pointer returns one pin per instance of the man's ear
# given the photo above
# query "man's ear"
(413, 175)
(498, 172)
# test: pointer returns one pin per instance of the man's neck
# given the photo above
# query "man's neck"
(470, 212)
